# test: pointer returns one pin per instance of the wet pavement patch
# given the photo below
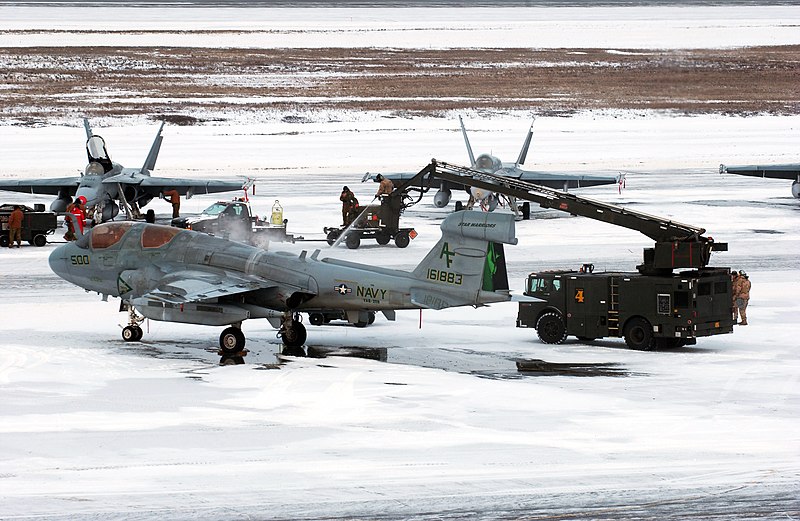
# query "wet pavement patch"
(538, 367)
(369, 353)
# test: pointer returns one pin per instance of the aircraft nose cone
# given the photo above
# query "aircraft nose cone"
(58, 262)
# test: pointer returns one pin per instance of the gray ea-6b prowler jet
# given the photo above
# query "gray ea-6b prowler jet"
(106, 184)
(178, 275)
(790, 171)
(490, 164)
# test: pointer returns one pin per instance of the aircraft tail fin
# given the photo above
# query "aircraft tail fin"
(523, 153)
(150, 162)
(88, 128)
(466, 141)
(468, 262)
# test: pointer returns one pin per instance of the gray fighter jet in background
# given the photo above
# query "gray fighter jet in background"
(493, 165)
(106, 185)
(178, 275)
(790, 172)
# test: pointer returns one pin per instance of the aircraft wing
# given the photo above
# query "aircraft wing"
(50, 186)
(156, 185)
(790, 171)
(179, 287)
(562, 180)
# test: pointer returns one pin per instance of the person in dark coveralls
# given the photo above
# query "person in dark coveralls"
(349, 205)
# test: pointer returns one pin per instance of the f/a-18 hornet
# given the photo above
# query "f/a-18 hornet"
(490, 164)
(178, 275)
(106, 185)
(789, 171)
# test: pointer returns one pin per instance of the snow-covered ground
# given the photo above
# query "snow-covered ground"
(92, 427)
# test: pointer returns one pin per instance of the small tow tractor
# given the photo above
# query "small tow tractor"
(375, 221)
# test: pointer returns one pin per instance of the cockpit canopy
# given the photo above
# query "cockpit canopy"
(153, 236)
(487, 163)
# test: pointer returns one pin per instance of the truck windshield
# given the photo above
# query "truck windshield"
(536, 284)
(215, 209)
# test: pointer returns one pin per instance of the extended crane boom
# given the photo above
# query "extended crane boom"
(678, 245)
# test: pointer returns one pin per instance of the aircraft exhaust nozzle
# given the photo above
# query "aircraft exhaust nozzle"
(442, 198)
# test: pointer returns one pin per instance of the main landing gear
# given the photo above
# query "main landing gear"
(293, 334)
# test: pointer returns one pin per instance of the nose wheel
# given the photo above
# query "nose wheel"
(132, 332)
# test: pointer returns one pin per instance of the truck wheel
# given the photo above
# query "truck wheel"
(353, 241)
(316, 319)
(39, 240)
(383, 238)
(551, 329)
(332, 236)
(402, 239)
(639, 334)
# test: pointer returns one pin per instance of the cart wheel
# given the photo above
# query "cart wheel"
(316, 319)
(332, 236)
(402, 239)
(39, 240)
(353, 241)
(383, 238)
(4, 241)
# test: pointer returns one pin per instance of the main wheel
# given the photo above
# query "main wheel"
(332, 236)
(639, 334)
(383, 238)
(39, 240)
(526, 211)
(353, 241)
(316, 319)
(551, 328)
(132, 333)
(402, 239)
(231, 340)
(294, 336)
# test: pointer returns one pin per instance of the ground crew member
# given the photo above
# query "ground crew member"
(15, 226)
(174, 197)
(386, 185)
(743, 297)
(349, 205)
(735, 291)
(79, 211)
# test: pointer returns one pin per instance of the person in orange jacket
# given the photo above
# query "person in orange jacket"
(15, 227)
(79, 211)
(174, 198)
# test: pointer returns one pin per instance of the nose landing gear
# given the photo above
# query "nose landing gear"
(132, 332)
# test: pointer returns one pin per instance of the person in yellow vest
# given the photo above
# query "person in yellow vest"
(174, 198)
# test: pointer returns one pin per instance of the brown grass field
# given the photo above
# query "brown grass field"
(188, 85)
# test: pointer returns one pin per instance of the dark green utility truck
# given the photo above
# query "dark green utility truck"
(649, 311)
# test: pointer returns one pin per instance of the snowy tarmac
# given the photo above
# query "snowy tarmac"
(92, 427)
